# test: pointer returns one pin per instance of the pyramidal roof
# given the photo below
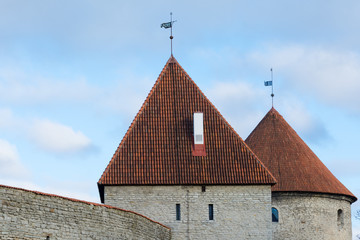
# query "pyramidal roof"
(157, 148)
(290, 160)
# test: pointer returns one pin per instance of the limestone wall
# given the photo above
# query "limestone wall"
(240, 212)
(31, 215)
(312, 216)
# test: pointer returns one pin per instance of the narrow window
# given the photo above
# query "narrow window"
(211, 212)
(340, 219)
(203, 188)
(178, 216)
(275, 214)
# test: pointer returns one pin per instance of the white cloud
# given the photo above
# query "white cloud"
(243, 106)
(332, 76)
(126, 96)
(237, 91)
(24, 87)
(76, 190)
(10, 165)
(344, 167)
(20, 87)
(59, 138)
(6, 118)
(238, 102)
(301, 120)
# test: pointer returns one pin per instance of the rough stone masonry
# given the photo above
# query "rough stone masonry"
(32, 215)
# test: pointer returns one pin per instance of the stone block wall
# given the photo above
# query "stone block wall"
(240, 212)
(31, 215)
(304, 216)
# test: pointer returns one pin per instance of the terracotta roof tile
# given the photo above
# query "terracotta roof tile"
(290, 160)
(157, 148)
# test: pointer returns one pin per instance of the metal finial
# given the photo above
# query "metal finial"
(270, 83)
(171, 36)
(169, 25)
(272, 88)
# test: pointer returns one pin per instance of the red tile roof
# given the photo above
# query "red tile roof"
(290, 160)
(157, 148)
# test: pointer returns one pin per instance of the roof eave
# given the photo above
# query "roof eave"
(351, 198)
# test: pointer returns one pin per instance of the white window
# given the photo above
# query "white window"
(198, 128)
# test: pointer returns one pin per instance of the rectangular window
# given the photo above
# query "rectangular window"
(178, 216)
(211, 212)
(198, 128)
(198, 138)
(275, 215)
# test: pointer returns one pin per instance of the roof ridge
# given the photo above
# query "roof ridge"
(226, 122)
(137, 115)
(261, 163)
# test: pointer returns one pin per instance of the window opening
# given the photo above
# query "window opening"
(203, 188)
(198, 138)
(178, 213)
(211, 212)
(340, 219)
(275, 214)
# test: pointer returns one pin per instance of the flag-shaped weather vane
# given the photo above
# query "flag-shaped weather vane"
(169, 25)
(270, 83)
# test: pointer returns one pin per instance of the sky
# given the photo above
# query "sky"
(73, 75)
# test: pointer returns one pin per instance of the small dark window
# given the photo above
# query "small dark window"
(178, 213)
(275, 215)
(203, 188)
(211, 212)
(47, 237)
(340, 219)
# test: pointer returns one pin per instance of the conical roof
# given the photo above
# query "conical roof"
(290, 160)
(157, 148)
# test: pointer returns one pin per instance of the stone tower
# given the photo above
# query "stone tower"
(182, 164)
(308, 201)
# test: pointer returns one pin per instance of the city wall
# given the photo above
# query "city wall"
(33, 215)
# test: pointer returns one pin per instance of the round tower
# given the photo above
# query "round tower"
(308, 201)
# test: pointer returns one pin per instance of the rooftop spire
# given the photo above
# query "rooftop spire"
(290, 160)
(270, 83)
(169, 25)
(272, 88)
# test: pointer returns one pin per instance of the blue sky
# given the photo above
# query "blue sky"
(73, 74)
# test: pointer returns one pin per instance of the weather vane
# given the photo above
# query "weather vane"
(270, 83)
(169, 25)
